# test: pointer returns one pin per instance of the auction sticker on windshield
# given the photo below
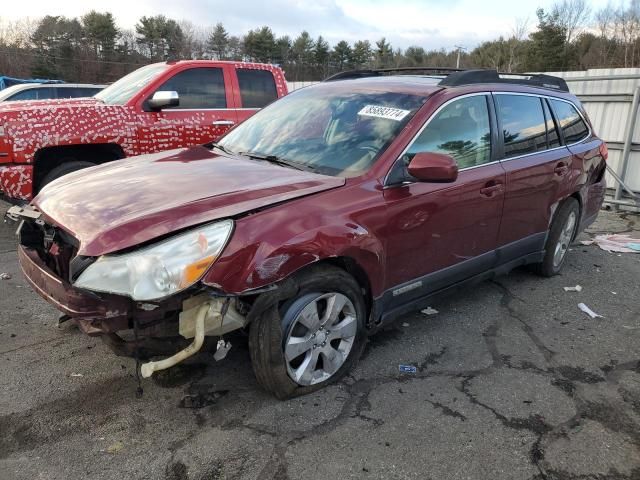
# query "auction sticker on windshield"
(383, 112)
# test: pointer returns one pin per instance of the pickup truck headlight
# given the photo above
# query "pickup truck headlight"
(160, 269)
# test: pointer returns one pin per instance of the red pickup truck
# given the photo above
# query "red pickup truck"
(157, 107)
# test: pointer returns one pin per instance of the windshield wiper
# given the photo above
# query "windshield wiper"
(275, 159)
(212, 145)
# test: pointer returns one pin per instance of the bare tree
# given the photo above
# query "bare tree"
(572, 15)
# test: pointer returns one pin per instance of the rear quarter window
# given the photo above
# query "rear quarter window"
(257, 87)
(571, 123)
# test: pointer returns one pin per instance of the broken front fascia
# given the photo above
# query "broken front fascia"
(201, 316)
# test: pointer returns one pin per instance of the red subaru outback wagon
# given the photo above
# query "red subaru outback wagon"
(319, 219)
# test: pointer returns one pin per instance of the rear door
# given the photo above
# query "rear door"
(449, 229)
(538, 171)
(256, 88)
(206, 111)
(587, 163)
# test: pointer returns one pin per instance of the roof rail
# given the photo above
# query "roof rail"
(455, 77)
(377, 72)
(467, 77)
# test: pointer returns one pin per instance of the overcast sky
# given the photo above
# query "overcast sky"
(427, 23)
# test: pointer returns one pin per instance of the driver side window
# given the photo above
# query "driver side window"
(461, 129)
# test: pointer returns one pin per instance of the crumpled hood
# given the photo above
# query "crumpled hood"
(125, 203)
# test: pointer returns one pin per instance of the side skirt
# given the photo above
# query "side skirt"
(420, 292)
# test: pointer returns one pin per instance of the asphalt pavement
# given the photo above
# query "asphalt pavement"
(513, 381)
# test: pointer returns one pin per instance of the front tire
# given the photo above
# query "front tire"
(64, 169)
(561, 234)
(312, 339)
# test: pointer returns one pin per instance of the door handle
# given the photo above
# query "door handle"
(223, 123)
(561, 169)
(490, 188)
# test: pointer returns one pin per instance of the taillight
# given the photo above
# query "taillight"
(604, 151)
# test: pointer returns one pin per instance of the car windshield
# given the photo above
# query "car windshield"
(120, 92)
(335, 131)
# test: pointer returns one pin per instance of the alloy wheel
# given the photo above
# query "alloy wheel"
(320, 338)
(564, 240)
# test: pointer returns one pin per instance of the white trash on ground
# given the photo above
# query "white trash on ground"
(615, 243)
(588, 311)
(429, 311)
(577, 288)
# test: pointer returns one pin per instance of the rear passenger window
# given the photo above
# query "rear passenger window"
(257, 87)
(198, 88)
(523, 124)
(461, 129)
(553, 139)
(573, 127)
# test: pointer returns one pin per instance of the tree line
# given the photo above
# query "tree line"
(93, 48)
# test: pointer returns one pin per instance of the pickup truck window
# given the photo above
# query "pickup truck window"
(198, 88)
(257, 87)
(123, 90)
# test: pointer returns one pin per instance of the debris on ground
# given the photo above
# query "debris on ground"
(616, 243)
(115, 447)
(405, 324)
(222, 350)
(76, 375)
(5, 276)
(429, 311)
(577, 288)
(407, 369)
(202, 399)
(588, 311)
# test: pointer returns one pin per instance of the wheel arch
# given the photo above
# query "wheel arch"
(48, 158)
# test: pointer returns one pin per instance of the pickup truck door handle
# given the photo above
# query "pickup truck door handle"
(490, 188)
(561, 169)
(223, 123)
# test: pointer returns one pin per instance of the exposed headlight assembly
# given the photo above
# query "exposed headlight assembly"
(161, 269)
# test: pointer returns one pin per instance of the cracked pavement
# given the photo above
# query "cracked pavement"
(512, 382)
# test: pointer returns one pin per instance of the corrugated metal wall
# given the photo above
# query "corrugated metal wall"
(608, 103)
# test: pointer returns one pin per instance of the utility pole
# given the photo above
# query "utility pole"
(459, 48)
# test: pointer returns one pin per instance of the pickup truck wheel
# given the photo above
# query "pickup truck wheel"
(311, 340)
(561, 234)
(64, 169)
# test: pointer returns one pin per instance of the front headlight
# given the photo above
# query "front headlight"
(161, 269)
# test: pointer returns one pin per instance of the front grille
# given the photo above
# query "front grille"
(55, 247)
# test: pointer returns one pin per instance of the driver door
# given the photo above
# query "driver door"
(440, 233)
(205, 112)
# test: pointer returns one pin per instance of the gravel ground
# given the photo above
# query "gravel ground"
(512, 382)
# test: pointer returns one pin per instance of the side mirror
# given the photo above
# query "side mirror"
(433, 167)
(163, 99)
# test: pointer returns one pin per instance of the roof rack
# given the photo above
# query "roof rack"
(378, 72)
(467, 77)
(456, 77)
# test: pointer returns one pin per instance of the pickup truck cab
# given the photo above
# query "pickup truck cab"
(158, 107)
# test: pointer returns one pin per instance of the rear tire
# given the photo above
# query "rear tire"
(561, 234)
(275, 335)
(64, 169)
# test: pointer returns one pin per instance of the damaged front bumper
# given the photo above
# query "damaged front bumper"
(164, 327)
